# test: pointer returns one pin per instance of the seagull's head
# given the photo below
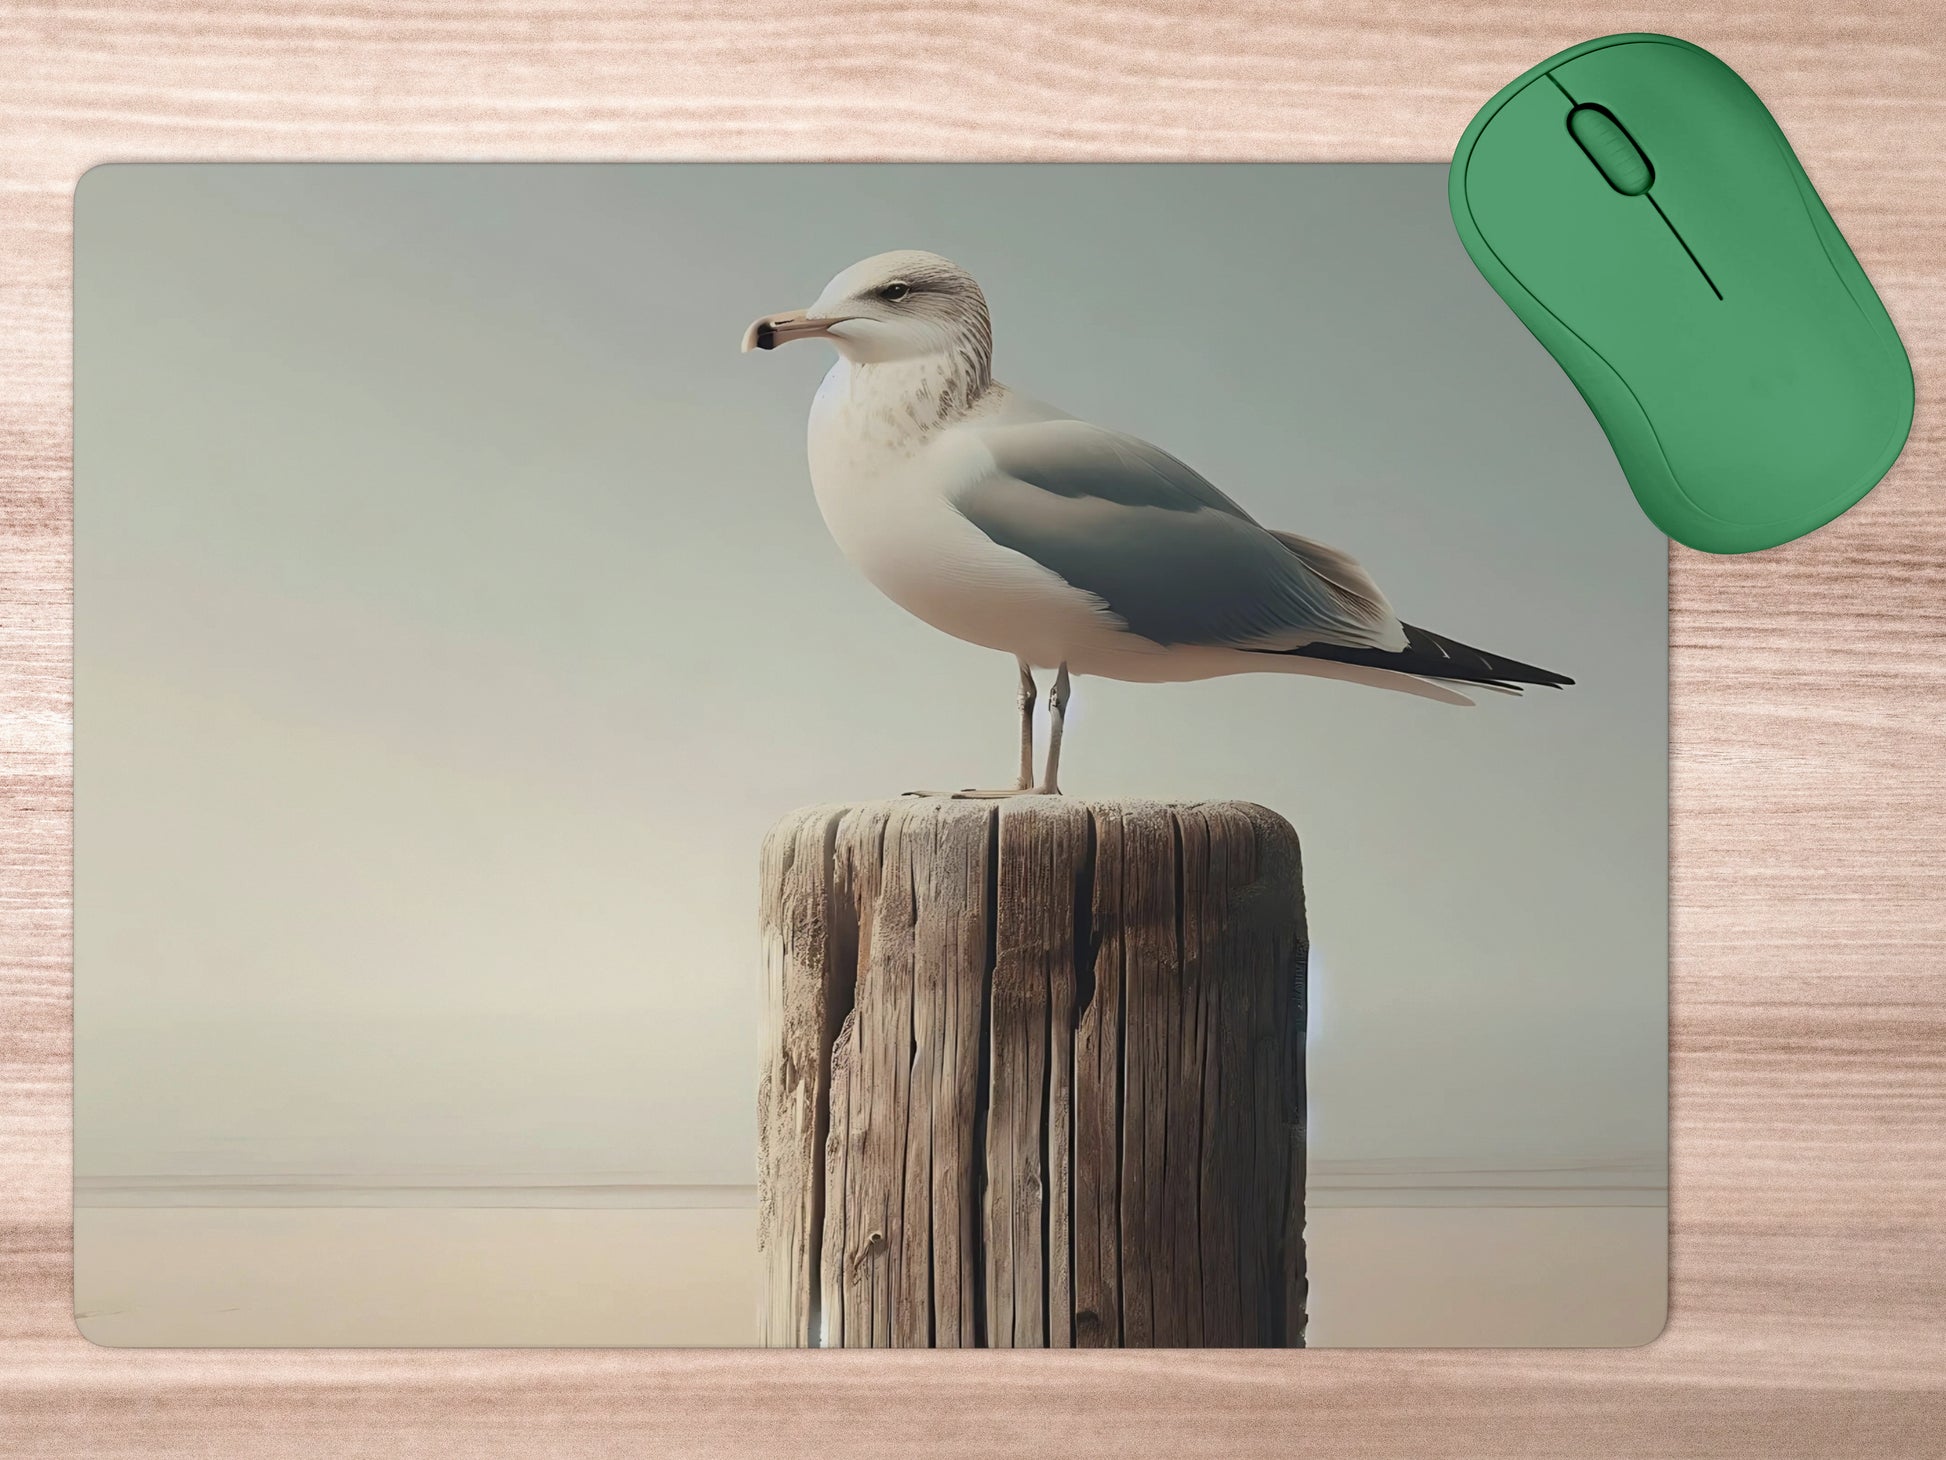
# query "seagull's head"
(907, 305)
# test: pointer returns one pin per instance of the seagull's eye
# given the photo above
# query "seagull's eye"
(895, 291)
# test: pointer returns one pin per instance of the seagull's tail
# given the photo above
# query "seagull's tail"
(1410, 684)
(1434, 656)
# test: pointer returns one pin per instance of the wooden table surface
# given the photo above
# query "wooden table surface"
(1810, 750)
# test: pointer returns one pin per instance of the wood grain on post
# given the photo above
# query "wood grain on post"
(1033, 1076)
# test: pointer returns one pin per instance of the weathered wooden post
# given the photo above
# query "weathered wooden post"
(1033, 1075)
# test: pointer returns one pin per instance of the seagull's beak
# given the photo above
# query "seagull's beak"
(780, 329)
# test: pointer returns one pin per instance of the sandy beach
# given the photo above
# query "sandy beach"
(303, 1276)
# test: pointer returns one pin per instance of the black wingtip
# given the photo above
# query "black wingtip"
(1434, 656)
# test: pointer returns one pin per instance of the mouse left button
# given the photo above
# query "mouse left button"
(1595, 256)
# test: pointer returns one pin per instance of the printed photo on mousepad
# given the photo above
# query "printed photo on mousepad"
(853, 756)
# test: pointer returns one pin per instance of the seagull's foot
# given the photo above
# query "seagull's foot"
(977, 793)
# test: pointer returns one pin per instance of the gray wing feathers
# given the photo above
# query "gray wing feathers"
(1074, 459)
(1347, 577)
(1169, 554)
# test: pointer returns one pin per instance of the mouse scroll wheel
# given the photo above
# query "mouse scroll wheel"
(1611, 149)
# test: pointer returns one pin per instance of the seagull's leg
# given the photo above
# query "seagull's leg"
(1024, 786)
(1027, 694)
(1057, 707)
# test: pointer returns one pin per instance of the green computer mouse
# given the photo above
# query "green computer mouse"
(1639, 209)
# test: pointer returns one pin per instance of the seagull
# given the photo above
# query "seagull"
(1012, 525)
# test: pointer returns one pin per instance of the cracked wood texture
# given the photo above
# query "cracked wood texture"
(1808, 786)
(1032, 1076)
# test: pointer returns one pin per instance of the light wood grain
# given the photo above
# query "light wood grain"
(800, 1008)
(961, 1183)
(1809, 841)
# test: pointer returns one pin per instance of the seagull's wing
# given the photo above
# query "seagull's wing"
(1168, 553)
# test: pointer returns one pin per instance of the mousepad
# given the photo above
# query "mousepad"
(513, 603)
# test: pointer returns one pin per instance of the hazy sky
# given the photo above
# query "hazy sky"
(453, 617)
